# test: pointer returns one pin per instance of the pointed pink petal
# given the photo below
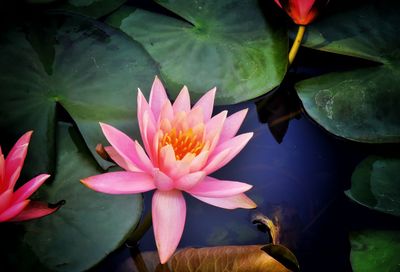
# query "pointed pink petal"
(13, 210)
(148, 132)
(141, 158)
(229, 202)
(214, 128)
(162, 181)
(35, 209)
(120, 160)
(169, 215)
(232, 125)
(182, 101)
(15, 159)
(199, 161)
(214, 162)
(142, 108)
(166, 112)
(126, 147)
(212, 187)
(235, 145)
(120, 183)
(195, 117)
(206, 102)
(158, 96)
(5, 199)
(26, 190)
(188, 181)
(167, 159)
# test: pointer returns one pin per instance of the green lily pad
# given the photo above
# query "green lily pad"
(92, 71)
(375, 250)
(227, 44)
(361, 105)
(92, 8)
(85, 229)
(376, 184)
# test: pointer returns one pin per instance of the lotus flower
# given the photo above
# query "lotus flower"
(15, 206)
(183, 145)
(302, 12)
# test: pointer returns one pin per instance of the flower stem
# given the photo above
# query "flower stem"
(296, 43)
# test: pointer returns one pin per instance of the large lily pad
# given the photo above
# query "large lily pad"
(227, 44)
(375, 250)
(363, 104)
(86, 228)
(376, 184)
(89, 69)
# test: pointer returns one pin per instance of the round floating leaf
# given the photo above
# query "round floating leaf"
(88, 226)
(227, 44)
(90, 70)
(92, 8)
(361, 105)
(374, 250)
(376, 184)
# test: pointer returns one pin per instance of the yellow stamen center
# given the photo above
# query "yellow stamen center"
(183, 142)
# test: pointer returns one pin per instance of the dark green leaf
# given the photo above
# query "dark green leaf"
(360, 105)
(94, 77)
(91, 8)
(376, 184)
(375, 250)
(84, 230)
(227, 44)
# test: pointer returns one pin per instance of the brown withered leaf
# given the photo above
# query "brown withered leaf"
(225, 258)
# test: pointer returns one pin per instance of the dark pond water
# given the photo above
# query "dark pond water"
(301, 180)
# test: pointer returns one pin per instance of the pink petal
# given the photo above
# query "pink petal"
(230, 202)
(126, 147)
(190, 180)
(158, 96)
(232, 125)
(215, 161)
(235, 145)
(166, 112)
(35, 209)
(120, 183)
(182, 101)
(26, 190)
(5, 199)
(214, 128)
(15, 159)
(279, 4)
(169, 215)
(212, 187)
(142, 108)
(195, 116)
(120, 160)
(13, 211)
(162, 181)
(167, 160)
(206, 102)
(148, 131)
(199, 161)
(3, 183)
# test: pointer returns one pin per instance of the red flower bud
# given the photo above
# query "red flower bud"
(302, 12)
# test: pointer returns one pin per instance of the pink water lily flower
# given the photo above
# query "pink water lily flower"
(184, 146)
(15, 206)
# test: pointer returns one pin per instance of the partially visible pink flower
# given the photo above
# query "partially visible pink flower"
(15, 206)
(184, 146)
(302, 12)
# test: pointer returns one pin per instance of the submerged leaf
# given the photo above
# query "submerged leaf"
(283, 255)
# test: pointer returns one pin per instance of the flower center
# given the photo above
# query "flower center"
(183, 142)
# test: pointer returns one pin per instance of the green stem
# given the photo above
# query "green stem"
(296, 43)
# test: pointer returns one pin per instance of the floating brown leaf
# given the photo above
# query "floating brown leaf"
(225, 258)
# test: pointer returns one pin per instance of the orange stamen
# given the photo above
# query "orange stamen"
(183, 142)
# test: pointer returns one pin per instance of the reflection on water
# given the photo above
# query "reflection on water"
(301, 180)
